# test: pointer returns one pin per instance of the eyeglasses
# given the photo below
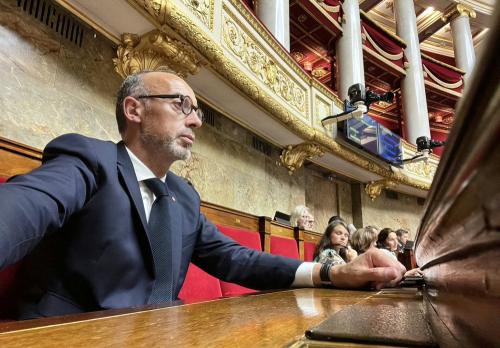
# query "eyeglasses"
(186, 103)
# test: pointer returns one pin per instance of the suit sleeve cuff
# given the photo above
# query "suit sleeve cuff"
(304, 276)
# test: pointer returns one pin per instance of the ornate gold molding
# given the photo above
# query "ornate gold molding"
(374, 188)
(244, 47)
(176, 18)
(321, 87)
(203, 9)
(155, 51)
(423, 169)
(293, 156)
(458, 10)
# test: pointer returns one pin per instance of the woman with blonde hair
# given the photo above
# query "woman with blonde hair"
(302, 218)
(364, 239)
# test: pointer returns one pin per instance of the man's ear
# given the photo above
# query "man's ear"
(133, 109)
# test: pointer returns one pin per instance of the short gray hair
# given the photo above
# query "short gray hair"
(133, 86)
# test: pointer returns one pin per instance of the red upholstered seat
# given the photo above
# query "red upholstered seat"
(244, 237)
(199, 286)
(284, 247)
(309, 251)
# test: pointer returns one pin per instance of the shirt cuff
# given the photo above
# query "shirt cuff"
(304, 275)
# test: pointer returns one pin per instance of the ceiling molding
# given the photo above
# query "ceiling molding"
(484, 6)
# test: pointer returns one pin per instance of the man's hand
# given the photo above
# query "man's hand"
(370, 268)
(351, 254)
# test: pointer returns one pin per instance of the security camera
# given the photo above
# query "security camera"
(424, 149)
(424, 143)
(358, 104)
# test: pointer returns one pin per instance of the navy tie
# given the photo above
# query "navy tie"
(161, 242)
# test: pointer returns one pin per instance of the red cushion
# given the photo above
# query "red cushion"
(284, 247)
(2, 179)
(244, 237)
(309, 248)
(199, 286)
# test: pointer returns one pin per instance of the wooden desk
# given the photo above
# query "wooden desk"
(266, 320)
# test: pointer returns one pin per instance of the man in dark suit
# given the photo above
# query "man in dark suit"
(85, 217)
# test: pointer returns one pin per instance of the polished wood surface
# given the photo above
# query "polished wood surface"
(265, 320)
(458, 243)
(229, 217)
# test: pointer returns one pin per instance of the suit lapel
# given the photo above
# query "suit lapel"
(127, 172)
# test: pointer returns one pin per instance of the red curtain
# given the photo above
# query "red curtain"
(382, 39)
(441, 72)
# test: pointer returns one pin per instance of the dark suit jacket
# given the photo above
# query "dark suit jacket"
(81, 218)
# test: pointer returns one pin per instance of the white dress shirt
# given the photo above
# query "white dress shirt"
(303, 275)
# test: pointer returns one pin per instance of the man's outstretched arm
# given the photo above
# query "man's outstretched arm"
(372, 268)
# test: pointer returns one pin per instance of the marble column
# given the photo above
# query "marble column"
(412, 85)
(463, 45)
(349, 48)
(275, 16)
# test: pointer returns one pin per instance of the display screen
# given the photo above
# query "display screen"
(375, 138)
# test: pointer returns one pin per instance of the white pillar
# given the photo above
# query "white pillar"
(412, 86)
(463, 46)
(350, 49)
(275, 16)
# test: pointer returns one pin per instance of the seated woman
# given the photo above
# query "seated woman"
(387, 240)
(364, 239)
(333, 247)
(302, 218)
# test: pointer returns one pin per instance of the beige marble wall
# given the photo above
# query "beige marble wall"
(49, 86)
(384, 212)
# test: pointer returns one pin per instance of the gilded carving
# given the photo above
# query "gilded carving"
(262, 66)
(267, 37)
(212, 51)
(319, 73)
(424, 169)
(203, 9)
(156, 8)
(298, 56)
(293, 156)
(155, 51)
(322, 108)
(374, 188)
(458, 10)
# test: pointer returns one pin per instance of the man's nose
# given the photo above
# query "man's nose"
(193, 121)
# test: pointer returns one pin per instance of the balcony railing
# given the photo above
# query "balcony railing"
(442, 76)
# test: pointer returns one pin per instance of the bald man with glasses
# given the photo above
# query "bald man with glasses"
(110, 226)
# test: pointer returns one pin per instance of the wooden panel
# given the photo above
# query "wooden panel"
(266, 320)
(229, 217)
(277, 229)
(313, 237)
(458, 243)
(16, 158)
